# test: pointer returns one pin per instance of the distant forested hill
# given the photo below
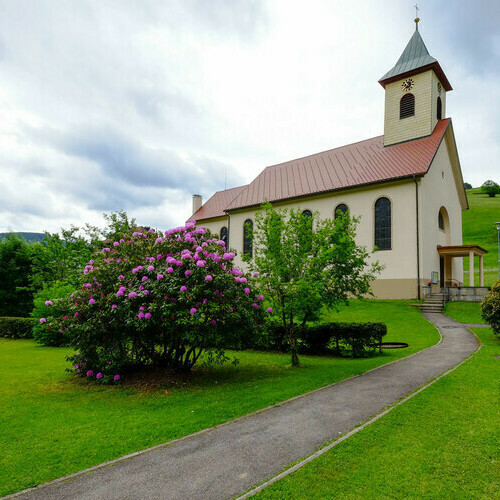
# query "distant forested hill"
(29, 237)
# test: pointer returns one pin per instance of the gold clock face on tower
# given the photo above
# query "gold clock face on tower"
(407, 85)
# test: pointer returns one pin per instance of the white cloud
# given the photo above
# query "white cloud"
(135, 105)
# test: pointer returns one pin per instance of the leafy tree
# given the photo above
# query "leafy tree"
(306, 263)
(467, 185)
(490, 188)
(15, 266)
(46, 304)
(60, 258)
(117, 225)
(490, 308)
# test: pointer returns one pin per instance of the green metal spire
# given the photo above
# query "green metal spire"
(413, 60)
(413, 57)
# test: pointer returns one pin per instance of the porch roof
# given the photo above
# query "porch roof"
(461, 250)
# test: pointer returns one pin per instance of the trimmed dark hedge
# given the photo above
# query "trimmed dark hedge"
(330, 338)
(356, 337)
(16, 328)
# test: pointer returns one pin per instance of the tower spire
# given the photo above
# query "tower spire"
(417, 19)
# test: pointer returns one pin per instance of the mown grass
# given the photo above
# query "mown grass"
(53, 424)
(478, 229)
(442, 444)
(464, 312)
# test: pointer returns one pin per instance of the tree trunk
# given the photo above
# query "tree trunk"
(293, 345)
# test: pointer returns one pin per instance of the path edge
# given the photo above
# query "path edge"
(384, 412)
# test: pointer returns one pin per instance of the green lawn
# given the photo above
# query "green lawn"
(464, 312)
(442, 444)
(478, 229)
(52, 424)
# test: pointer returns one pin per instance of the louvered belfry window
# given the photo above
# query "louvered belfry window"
(342, 207)
(383, 224)
(439, 108)
(223, 235)
(407, 106)
(247, 237)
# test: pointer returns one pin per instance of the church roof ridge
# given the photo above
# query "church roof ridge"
(354, 165)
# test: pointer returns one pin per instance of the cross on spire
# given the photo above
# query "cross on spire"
(417, 19)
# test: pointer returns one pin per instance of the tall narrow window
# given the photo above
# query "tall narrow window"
(223, 235)
(247, 237)
(440, 220)
(309, 218)
(342, 207)
(383, 224)
(407, 106)
(439, 108)
(305, 237)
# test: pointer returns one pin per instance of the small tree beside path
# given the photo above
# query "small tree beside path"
(306, 263)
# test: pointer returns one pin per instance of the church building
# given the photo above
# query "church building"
(405, 185)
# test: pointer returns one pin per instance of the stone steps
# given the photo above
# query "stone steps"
(433, 303)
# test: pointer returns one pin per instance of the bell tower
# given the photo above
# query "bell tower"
(415, 93)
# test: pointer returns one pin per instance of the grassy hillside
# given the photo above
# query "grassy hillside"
(479, 229)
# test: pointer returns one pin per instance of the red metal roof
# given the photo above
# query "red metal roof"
(358, 164)
(215, 206)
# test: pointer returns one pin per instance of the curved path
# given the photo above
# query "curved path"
(225, 461)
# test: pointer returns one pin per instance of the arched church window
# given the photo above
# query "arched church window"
(440, 220)
(309, 220)
(407, 106)
(383, 235)
(247, 237)
(342, 207)
(305, 238)
(307, 213)
(439, 108)
(223, 235)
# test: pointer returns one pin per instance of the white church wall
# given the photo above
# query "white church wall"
(398, 279)
(438, 189)
(214, 225)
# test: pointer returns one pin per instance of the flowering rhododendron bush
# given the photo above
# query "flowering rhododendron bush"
(160, 300)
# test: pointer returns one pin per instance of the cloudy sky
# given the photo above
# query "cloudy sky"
(138, 104)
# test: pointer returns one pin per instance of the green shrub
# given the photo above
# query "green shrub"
(316, 339)
(276, 338)
(490, 188)
(326, 338)
(46, 304)
(490, 308)
(333, 338)
(16, 328)
(359, 336)
(154, 299)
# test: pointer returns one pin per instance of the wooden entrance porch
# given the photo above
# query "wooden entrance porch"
(447, 253)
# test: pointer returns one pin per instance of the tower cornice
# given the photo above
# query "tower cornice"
(435, 66)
